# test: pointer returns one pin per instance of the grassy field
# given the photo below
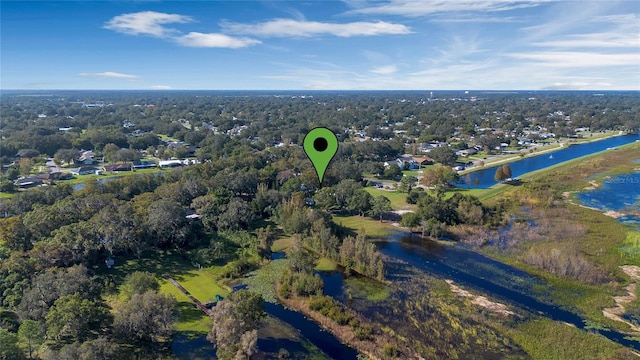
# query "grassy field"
(398, 199)
(561, 342)
(79, 179)
(200, 283)
(325, 264)
(4, 195)
(360, 224)
(370, 289)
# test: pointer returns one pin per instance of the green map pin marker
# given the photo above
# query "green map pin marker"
(320, 145)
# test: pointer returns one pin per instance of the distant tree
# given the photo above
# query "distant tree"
(109, 151)
(124, 155)
(9, 348)
(145, 318)
(139, 282)
(489, 142)
(499, 175)
(379, 206)
(14, 234)
(235, 320)
(343, 191)
(324, 198)
(506, 169)
(443, 155)
(73, 318)
(414, 195)
(12, 173)
(392, 171)
(502, 173)
(410, 220)
(31, 334)
(431, 227)
(167, 224)
(439, 176)
(406, 183)
(26, 166)
(28, 153)
(51, 285)
(360, 202)
(65, 156)
(237, 215)
(101, 348)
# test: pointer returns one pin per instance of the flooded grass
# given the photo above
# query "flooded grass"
(275, 337)
(602, 241)
(325, 264)
(368, 226)
(551, 340)
(366, 288)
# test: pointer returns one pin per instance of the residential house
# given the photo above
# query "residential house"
(144, 164)
(86, 158)
(164, 164)
(467, 152)
(53, 175)
(27, 182)
(117, 167)
(85, 170)
(423, 161)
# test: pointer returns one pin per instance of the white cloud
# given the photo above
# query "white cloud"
(110, 74)
(196, 39)
(146, 23)
(569, 59)
(414, 8)
(151, 23)
(577, 86)
(600, 40)
(301, 28)
(385, 70)
(161, 87)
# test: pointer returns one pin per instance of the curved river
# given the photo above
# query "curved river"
(484, 178)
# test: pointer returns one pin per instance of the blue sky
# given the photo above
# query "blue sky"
(351, 44)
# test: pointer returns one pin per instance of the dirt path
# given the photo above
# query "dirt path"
(195, 301)
(481, 300)
(615, 312)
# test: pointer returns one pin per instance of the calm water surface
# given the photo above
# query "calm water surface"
(620, 193)
(484, 178)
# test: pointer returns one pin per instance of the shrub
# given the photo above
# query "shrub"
(363, 332)
(566, 264)
(390, 350)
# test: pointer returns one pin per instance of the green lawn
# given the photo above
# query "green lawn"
(367, 225)
(200, 283)
(325, 264)
(398, 200)
(414, 173)
(4, 195)
(79, 179)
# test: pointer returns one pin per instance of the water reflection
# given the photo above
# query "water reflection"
(485, 178)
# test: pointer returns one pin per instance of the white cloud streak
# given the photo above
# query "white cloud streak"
(413, 8)
(151, 23)
(385, 70)
(196, 39)
(110, 74)
(579, 59)
(302, 28)
(146, 23)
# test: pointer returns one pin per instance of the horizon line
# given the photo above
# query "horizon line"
(328, 90)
